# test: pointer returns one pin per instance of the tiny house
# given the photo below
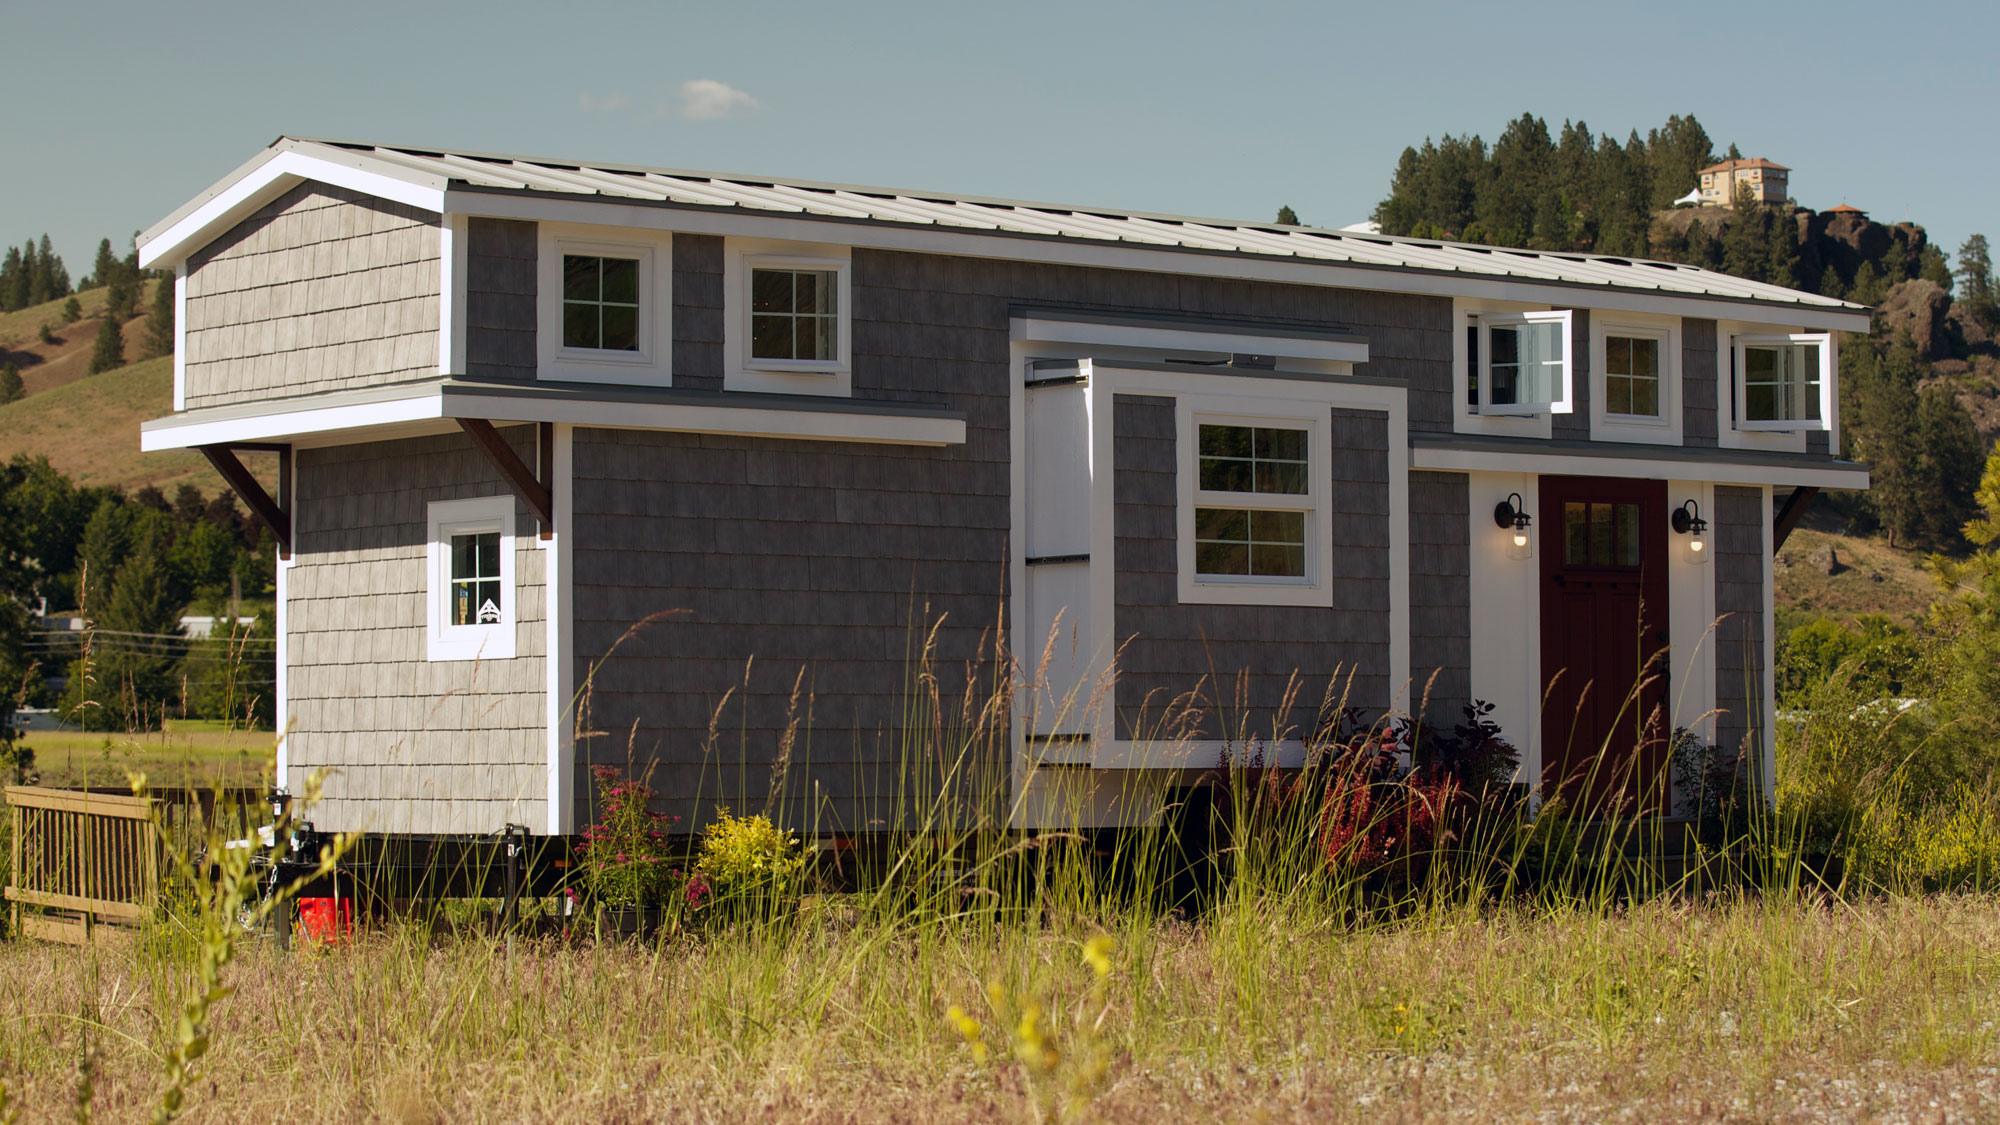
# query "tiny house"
(809, 434)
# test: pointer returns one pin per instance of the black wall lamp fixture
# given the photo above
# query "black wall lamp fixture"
(1687, 521)
(1509, 514)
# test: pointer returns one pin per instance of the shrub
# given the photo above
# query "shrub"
(742, 855)
(624, 854)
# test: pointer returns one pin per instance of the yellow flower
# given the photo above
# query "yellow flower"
(979, 1052)
(1097, 954)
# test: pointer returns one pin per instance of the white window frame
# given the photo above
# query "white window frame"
(742, 371)
(445, 641)
(1316, 588)
(1560, 404)
(1828, 392)
(1666, 428)
(651, 364)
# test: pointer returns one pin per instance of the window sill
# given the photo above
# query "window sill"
(491, 643)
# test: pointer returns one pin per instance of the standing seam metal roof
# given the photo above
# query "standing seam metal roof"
(493, 172)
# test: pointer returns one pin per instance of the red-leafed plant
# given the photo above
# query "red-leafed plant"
(624, 856)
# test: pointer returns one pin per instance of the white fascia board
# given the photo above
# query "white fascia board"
(1706, 472)
(1032, 329)
(236, 200)
(1154, 259)
(741, 421)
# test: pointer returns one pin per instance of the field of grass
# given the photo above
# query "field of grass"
(187, 752)
(1740, 1009)
(89, 430)
(1875, 578)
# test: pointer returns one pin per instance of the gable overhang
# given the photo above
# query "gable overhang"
(269, 175)
(439, 406)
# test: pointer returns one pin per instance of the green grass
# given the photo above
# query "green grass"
(187, 752)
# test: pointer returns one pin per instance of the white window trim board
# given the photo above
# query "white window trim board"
(560, 643)
(180, 335)
(1193, 263)
(1828, 392)
(1559, 402)
(1606, 426)
(1190, 412)
(740, 372)
(1728, 435)
(1464, 419)
(468, 642)
(454, 257)
(652, 364)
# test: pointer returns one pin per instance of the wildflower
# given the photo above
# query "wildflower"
(1097, 954)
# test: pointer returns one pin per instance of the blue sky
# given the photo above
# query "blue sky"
(117, 113)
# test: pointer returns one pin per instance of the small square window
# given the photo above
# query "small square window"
(476, 595)
(795, 315)
(600, 303)
(1518, 364)
(1632, 376)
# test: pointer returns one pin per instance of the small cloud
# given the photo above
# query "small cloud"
(705, 99)
(605, 104)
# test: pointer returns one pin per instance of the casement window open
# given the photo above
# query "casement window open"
(1519, 364)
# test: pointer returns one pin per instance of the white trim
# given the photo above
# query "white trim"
(1828, 392)
(652, 364)
(741, 372)
(1031, 329)
(1728, 436)
(1464, 419)
(281, 622)
(741, 421)
(1691, 620)
(1664, 429)
(1769, 742)
(1196, 754)
(1316, 589)
(1561, 393)
(560, 644)
(1557, 463)
(1111, 255)
(180, 335)
(1504, 626)
(274, 177)
(446, 518)
(454, 256)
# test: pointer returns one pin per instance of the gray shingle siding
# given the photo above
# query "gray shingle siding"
(413, 745)
(500, 315)
(1575, 425)
(322, 289)
(698, 311)
(781, 556)
(1699, 405)
(1741, 523)
(1239, 661)
(1441, 593)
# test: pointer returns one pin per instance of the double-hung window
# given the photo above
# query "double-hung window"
(1518, 364)
(1783, 381)
(1253, 525)
(470, 593)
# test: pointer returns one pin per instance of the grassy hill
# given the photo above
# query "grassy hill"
(89, 429)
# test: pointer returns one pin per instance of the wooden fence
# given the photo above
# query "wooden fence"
(87, 858)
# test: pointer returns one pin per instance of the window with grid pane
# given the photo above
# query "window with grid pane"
(600, 303)
(476, 587)
(1781, 382)
(794, 314)
(1264, 537)
(1632, 376)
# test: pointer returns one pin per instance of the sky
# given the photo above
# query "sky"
(119, 112)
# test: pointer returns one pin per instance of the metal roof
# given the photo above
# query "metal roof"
(488, 172)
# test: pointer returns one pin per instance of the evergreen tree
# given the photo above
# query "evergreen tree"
(1975, 274)
(1744, 247)
(107, 539)
(72, 311)
(105, 266)
(1287, 216)
(1948, 473)
(127, 681)
(1700, 247)
(1830, 284)
(1869, 285)
(1676, 154)
(10, 384)
(1886, 437)
(1781, 252)
(1932, 267)
(1898, 264)
(109, 351)
(49, 514)
(160, 326)
(12, 279)
(23, 279)
(53, 267)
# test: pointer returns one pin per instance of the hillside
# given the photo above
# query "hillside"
(44, 365)
(88, 428)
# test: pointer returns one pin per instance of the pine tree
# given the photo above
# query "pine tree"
(1869, 285)
(72, 311)
(160, 327)
(107, 538)
(12, 279)
(109, 351)
(1287, 216)
(1830, 284)
(105, 266)
(1948, 469)
(1700, 247)
(1975, 273)
(1781, 253)
(1932, 267)
(10, 384)
(41, 278)
(24, 280)
(57, 272)
(1887, 439)
(1744, 248)
(128, 682)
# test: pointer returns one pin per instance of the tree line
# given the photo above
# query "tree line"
(33, 274)
(132, 564)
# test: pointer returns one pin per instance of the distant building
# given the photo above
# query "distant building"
(1844, 209)
(1766, 181)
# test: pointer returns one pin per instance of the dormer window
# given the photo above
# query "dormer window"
(795, 315)
(1519, 364)
(604, 305)
(790, 317)
(600, 303)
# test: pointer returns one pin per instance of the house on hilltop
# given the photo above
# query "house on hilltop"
(1766, 182)
(520, 405)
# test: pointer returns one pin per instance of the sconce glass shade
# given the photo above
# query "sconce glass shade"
(1518, 525)
(1687, 521)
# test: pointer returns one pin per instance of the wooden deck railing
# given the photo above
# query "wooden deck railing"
(92, 857)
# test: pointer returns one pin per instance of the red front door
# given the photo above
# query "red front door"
(1604, 641)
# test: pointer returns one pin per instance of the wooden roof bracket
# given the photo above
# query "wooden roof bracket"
(274, 514)
(530, 486)
(1790, 514)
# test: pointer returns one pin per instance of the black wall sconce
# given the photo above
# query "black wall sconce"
(1687, 521)
(1509, 514)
